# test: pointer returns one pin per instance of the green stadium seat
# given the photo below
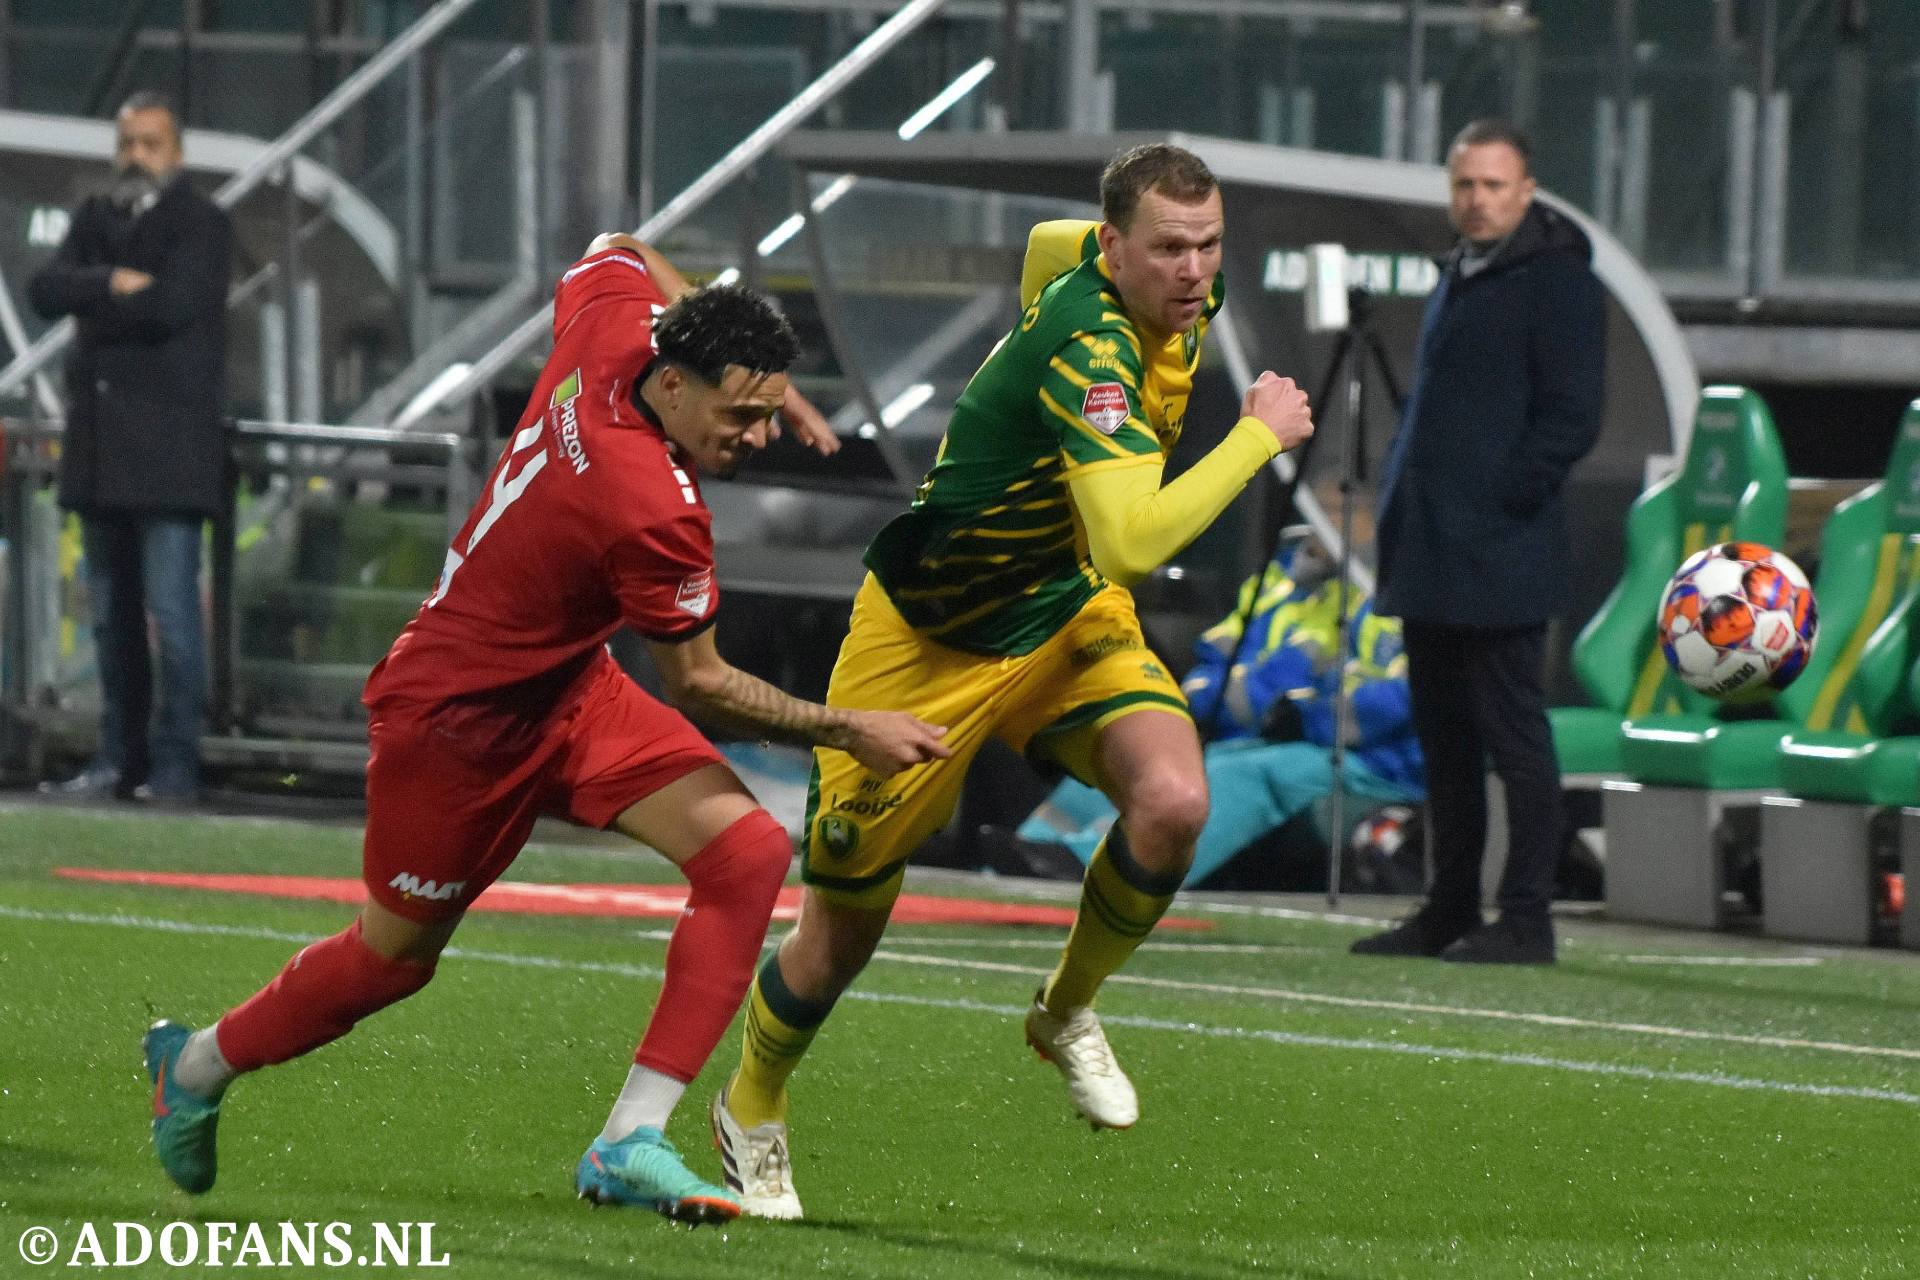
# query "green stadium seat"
(1731, 486)
(1854, 752)
(1689, 767)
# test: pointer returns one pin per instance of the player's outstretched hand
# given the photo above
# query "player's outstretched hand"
(1282, 406)
(885, 742)
(808, 424)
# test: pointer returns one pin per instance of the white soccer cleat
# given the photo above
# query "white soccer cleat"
(756, 1164)
(1076, 1044)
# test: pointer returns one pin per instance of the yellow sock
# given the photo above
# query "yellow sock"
(780, 1026)
(1120, 901)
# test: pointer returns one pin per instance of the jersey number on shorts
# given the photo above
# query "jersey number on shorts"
(506, 487)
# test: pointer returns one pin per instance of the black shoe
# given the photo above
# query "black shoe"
(1504, 942)
(1424, 933)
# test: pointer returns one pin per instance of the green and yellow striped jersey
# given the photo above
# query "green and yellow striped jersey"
(991, 557)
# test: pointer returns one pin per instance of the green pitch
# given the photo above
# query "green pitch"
(1659, 1104)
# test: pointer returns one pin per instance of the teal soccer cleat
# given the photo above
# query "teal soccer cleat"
(644, 1169)
(183, 1122)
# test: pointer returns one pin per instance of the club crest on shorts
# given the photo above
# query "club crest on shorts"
(695, 594)
(839, 836)
(1105, 406)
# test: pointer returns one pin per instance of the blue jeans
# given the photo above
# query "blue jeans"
(138, 565)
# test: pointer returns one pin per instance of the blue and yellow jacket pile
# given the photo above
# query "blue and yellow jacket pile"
(1285, 652)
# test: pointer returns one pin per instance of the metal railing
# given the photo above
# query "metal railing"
(744, 154)
(46, 689)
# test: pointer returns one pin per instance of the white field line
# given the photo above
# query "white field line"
(1068, 891)
(1279, 913)
(1441, 1010)
(1053, 944)
(1283, 948)
(653, 973)
(1736, 962)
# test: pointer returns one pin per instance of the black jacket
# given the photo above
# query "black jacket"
(1508, 381)
(146, 377)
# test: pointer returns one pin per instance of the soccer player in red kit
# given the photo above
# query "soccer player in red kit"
(499, 702)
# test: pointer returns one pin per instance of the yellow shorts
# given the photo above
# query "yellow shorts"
(1048, 704)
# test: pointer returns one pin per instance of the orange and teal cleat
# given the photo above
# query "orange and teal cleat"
(183, 1122)
(644, 1169)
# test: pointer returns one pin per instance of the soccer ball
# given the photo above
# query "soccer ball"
(1387, 852)
(1737, 622)
(1382, 832)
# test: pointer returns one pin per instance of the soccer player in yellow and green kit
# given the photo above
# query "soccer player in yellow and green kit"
(998, 606)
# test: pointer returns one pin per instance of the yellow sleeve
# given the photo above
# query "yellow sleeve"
(1053, 247)
(1134, 525)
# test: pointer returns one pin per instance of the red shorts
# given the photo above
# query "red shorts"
(453, 789)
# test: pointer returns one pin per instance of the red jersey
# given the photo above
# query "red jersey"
(588, 521)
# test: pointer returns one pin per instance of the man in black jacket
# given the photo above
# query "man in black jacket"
(1473, 544)
(144, 271)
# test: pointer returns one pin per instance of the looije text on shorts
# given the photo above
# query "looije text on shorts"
(864, 806)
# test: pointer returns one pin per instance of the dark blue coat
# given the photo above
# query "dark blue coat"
(1507, 389)
(146, 378)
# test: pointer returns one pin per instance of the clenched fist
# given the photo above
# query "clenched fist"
(1282, 406)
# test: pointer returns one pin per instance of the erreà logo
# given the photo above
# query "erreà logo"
(410, 886)
(1103, 353)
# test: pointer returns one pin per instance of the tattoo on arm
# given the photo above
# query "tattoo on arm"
(750, 703)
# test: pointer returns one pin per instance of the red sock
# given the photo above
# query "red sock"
(317, 998)
(716, 945)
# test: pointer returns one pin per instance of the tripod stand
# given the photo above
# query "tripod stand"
(1355, 346)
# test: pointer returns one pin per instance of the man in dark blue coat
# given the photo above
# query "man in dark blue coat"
(144, 272)
(1473, 545)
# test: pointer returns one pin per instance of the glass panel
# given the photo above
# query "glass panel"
(338, 547)
(1688, 163)
(1346, 68)
(260, 15)
(1855, 126)
(1174, 73)
(258, 93)
(104, 16)
(1564, 154)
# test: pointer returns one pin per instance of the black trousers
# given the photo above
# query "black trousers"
(1477, 696)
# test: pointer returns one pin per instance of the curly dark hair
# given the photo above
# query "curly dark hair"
(1174, 172)
(724, 324)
